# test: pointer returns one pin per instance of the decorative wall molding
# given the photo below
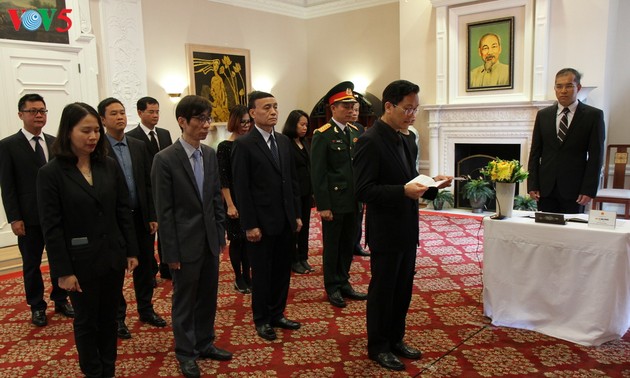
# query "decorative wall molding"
(125, 74)
(305, 9)
(508, 123)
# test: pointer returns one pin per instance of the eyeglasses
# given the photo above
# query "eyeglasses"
(408, 111)
(35, 111)
(245, 121)
(203, 119)
(568, 87)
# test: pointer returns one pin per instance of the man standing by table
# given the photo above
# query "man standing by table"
(566, 156)
(384, 164)
(333, 187)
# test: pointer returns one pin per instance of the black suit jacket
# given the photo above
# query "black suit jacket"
(18, 172)
(267, 194)
(88, 229)
(574, 165)
(186, 221)
(380, 178)
(163, 137)
(302, 160)
(141, 165)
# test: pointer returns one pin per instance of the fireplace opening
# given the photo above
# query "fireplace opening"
(471, 158)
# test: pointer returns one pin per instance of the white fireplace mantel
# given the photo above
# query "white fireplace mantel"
(502, 123)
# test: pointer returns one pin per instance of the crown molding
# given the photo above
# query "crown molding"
(305, 9)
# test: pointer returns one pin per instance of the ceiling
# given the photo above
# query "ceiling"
(305, 8)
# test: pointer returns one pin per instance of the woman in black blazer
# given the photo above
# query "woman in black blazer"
(88, 229)
(296, 128)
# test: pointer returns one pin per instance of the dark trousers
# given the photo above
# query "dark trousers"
(95, 323)
(301, 238)
(389, 295)
(240, 261)
(31, 248)
(271, 274)
(194, 307)
(556, 204)
(143, 274)
(339, 238)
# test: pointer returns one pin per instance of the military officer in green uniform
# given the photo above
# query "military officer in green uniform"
(333, 187)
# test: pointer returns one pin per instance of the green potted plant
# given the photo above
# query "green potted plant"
(478, 192)
(443, 196)
(525, 203)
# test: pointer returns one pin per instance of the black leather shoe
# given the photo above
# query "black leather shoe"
(358, 251)
(352, 294)
(153, 319)
(388, 361)
(189, 369)
(286, 324)
(39, 318)
(123, 331)
(299, 268)
(215, 353)
(241, 287)
(336, 300)
(403, 350)
(266, 332)
(66, 309)
(307, 266)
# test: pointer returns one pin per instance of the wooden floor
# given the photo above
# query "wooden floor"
(11, 264)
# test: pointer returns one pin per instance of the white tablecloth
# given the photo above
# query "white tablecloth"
(571, 282)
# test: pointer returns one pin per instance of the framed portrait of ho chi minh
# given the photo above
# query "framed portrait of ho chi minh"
(222, 75)
(490, 55)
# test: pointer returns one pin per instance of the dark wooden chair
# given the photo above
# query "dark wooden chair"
(615, 169)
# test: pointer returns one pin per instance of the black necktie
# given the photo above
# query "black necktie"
(564, 125)
(274, 149)
(347, 134)
(154, 142)
(39, 151)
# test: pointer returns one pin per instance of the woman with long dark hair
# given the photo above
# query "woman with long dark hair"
(88, 229)
(296, 127)
(238, 124)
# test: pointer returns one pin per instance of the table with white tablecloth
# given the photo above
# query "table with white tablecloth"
(567, 281)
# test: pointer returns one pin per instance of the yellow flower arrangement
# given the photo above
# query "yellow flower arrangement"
(499, 170)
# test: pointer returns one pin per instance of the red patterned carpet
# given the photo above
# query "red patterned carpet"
(445, 321)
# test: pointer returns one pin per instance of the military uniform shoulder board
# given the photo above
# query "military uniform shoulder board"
(324, 128)
(352, 126)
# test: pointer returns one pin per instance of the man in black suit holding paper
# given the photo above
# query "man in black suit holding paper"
(383, 167)
(133, 159)
(266, 188)
(21, 156)
(566, 156)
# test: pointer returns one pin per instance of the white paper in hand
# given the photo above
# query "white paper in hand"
(426, 181)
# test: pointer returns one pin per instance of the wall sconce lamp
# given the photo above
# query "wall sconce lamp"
(174, 95)
(173, 85)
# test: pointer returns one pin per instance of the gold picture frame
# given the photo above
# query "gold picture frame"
(222, 75)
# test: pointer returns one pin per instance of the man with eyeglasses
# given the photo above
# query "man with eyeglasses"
(383, 167)
(156, 139)
(21, 156)
(491, 72)
(189, 206)
(333, 187)
(567, 150)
